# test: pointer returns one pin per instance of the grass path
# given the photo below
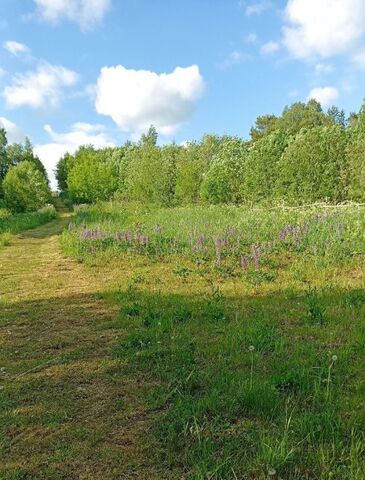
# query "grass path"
(66, 411)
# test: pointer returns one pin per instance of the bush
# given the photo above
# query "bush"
(25, 188)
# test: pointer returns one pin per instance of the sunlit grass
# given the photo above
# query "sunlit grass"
(256, 365)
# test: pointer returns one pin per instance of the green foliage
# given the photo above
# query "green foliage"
(25, 188)
(222, 182)
(151, 174)
(261, 169)
(303, 155)
(90, 179)
(356, 159)
(64, 166)
(293, 119)
(313, 167)
(15, 223)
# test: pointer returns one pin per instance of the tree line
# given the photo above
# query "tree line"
(304, 155)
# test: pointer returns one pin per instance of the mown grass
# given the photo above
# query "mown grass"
(11, 224)
(257, 361)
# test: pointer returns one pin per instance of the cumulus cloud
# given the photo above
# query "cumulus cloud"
(323, 28)
(16, 48)
(40, 87)
(14, 134)
(87, 13)
(269, 48)
(61, 143)
(135, 99)
(326, 96)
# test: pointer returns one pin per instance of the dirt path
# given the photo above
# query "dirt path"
(68, 409)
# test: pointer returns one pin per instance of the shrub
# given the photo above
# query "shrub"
(25, 188)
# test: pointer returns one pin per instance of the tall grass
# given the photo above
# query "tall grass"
(233, 237)
(249, 325)
(15, 223)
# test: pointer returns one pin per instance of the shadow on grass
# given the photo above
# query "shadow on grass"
(211, 385)
(50, 229)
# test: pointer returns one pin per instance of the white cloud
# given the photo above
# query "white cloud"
(269, 48)
(251, 38)
(87, 13)
(323, 68)
(61, 143)
(16, 48)
(326, 96)
(234, 58)
(257, 8)
(323, 28)
(359, 60)
(135, 99)
(40, 87)
(14, 134)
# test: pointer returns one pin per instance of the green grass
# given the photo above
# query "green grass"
(15, 223)
(257, 367)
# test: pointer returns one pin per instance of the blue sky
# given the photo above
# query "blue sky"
(100, 71)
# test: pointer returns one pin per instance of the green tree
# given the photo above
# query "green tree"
(90, 179)
(356, 156)
(151, 174)
(191, 168)
(223, 181)
(261, 169)
(314, 167)
(63, 168)
(17, 153)
(25, 188)
(4, 166)
(294, 118)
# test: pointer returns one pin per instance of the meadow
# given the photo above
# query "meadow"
(247, 325)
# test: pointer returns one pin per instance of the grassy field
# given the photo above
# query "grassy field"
(191, 343)
(14, 223)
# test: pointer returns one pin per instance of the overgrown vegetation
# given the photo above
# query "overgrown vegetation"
(248, 321)
(304, 156)
(16, 223)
